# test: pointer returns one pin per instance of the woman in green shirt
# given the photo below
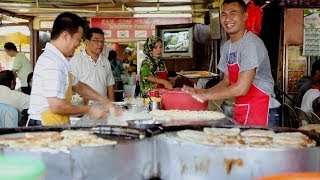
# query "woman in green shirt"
(153, 72)
(151, 65)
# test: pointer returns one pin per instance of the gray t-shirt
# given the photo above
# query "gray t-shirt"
(251, 53)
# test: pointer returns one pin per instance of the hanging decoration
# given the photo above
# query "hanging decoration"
(254, 20)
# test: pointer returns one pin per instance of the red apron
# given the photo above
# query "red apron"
(253, 108)
(162, 75)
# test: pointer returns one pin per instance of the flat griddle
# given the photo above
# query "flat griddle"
(117, 133)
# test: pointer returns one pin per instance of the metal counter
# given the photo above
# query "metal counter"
(182, 160)
(162, 156)
(131, 160)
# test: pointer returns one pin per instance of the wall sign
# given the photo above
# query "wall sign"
(46, 24)
(132, 28)
(311, 33)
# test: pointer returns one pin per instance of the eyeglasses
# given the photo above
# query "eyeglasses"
(97, 41)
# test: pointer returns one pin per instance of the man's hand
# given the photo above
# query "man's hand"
(97, 112)
(197, 93)
(108, 106)
(168, 85)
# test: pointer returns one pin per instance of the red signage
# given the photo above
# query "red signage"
(132, 28)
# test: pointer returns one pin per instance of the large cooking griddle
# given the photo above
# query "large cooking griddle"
(118, 133)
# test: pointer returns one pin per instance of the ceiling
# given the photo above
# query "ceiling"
(90, 8)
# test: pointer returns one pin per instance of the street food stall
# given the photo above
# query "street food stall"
(178, 152)
(164, 144)
(173, 140)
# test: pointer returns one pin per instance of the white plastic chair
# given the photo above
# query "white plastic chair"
(9, 116)
(315, 118)
(290, 116)
(303, 117)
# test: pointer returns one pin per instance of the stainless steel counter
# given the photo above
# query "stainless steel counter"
(182, 160)
(164, 157)
(130, 160)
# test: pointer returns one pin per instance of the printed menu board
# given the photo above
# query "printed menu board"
(311, 34)
(297, 67)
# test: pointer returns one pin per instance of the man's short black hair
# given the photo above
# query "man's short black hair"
(93, 30)
(10, 46)
(315, 67)
(66, 21)
(240, 2)
(6, 78)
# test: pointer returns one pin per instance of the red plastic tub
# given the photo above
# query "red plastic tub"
(293, 176)
(178, 99)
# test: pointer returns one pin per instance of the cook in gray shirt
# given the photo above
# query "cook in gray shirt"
(251, 54)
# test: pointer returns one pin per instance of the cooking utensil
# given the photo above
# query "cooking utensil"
(136, 108)
(228, 109)
(144, 124)
(153, 105)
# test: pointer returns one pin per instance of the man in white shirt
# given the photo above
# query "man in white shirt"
(10, 96)
(52, 85)
(21, 65)
(91, 67)
(308, 98)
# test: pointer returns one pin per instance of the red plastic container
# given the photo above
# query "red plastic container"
(293, 176)
(178, 99)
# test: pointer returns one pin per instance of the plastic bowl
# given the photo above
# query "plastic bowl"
(180, 100)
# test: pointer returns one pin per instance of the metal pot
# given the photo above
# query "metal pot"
(137, 108)
(153, 105)
(228, 109)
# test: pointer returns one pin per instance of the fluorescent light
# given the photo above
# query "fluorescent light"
(16, 5)
(5, 30)
(145, 9)
(175, 8)
(164, 8)
(12, 19)
(176, 1)
(162, 15)
(24, 10)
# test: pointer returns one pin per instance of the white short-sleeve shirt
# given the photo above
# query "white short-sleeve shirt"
(14, 98)
(308, 98)
(50, 79)
(98, 75)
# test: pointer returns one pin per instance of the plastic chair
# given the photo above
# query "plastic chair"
(315, 118)
(290, 116)
(9, 116)
(303, 117)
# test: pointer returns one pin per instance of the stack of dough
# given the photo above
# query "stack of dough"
(53, 139)
(256, 138)
(311, 127)
(248, 138)
(188, 115)
(222, 136)
(293, 139)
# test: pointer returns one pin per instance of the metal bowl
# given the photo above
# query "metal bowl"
(137, 108)
(228, 109)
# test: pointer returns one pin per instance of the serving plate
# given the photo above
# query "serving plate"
(197, 74)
